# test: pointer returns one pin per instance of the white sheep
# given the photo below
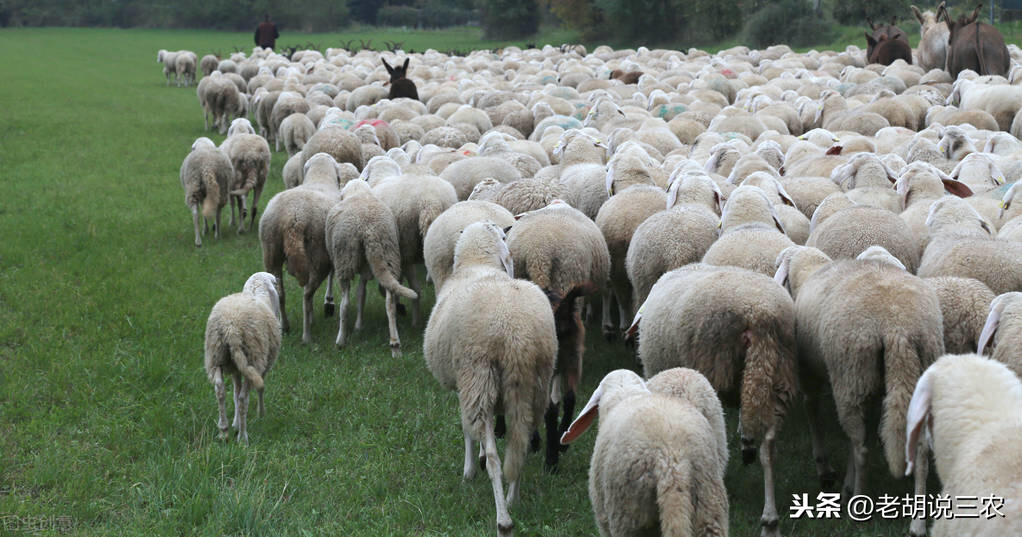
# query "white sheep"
(1002, 331)
(250, 156)
(968, 408)
(206, 176)
(659, 460)
(492, 338)
(243, 340)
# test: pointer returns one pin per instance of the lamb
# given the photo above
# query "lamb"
(295, 130)
(737, 328)
(848, 232)
(961, 245)
(293, 230)
(964, 303)
(243, 340)
(361, 236)
(250, 156)
(673, 238)
(1002, 331)
(618, 219)
(898, 332)
(968, 407)
(751, 233)
(667, 431)
(440, 240)
(492, 338)
(206, 176)
(561, 251)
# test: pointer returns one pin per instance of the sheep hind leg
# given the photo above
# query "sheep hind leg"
(221, 402)
(917, 528)
(413, 283)
(470, 455)
(395, 341)
(552, 438)
(825, 472)
(328, 299)
(255, 205)
(246, 385)
(769, 520)
(236, 386)
(343, 287)
(361, 304)
(505, 527)
(242, 212)
(195, 224)
(609, 333)
(216, 223)
(854, 424)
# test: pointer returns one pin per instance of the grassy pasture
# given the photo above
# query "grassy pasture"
(106, 415)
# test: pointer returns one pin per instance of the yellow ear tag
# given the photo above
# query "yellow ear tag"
(720, 223)
(1002, 204)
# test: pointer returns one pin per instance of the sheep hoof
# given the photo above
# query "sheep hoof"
(198, 244)
(328, 309)
(748, 455)
(534, 442)
(505, 530)
(610, 334)
(550, 468)
(768, 526)
(222, 435)
(828, 480)
(401, 309)
(500, 428)
(395, 350)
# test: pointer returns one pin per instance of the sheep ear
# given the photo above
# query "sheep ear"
(1007, 199)
(785, 198)
(505, 259)
(585, 418)
(918, 416)
(986, 336)
(835, 150)
(672, 192)
(956, 187)
(634, 328)
(610, 180)
(983, 224)
(274, 300)
(783, 265)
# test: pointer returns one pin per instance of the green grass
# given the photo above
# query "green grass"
(106, 415)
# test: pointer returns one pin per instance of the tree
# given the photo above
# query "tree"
(509, 19)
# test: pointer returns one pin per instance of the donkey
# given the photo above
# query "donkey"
(399, 85)
(975, 45)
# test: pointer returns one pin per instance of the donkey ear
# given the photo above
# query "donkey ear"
(406, 63)
(387, 65)
(919, 16)
(869, 39)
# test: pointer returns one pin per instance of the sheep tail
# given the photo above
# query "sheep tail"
(768, 381)
(523, 400)
(241, 360)
(212, 199)
(427, 215)
(374, 251)
(295, 252)
(673, 499)
(902, 367)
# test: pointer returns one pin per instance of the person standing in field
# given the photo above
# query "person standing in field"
(266, 33)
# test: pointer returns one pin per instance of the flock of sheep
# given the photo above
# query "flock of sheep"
(764, 226)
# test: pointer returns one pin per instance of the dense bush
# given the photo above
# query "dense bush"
(510, 19)
(856, 13)
(397, 16)
(791, 22)
(644, 21)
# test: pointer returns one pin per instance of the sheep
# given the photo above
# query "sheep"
(464, 174)
(250, 156)
(440, 240)
(336, 142)
(206, 176)
(416, 202)
(968, 407)
(361, 236)
(561, 250)
(961, 245)
(584, 187)
(208, 64)
(295, 130)
(243, 340)
(618, 219)
(221, 99)
(964, 303)
(675, 237)
(670, 432)
(169, 61)
(808, 192)
(751, 233)
(848, 232)
(898, 332)
(1001, 331)
(737, 328)
(293, 230)
(492, 338)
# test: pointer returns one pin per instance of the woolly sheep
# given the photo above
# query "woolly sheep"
(968, 407)
(751, 233)
(898, 332)
(964, 303)
(293, 230)
(294, 131)
(243, 340)
(464, 174)
(250, 156)
(169, 61)
(737, 328)
(336, 142)
(961, 245)
(1002, 330)
(208, 64)
(221, 99)
(440, 240)
(492, 338)
(561, 250)
(848, 232)
(618, 219)
(667, 431)
(361, 236)
(206, 176)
